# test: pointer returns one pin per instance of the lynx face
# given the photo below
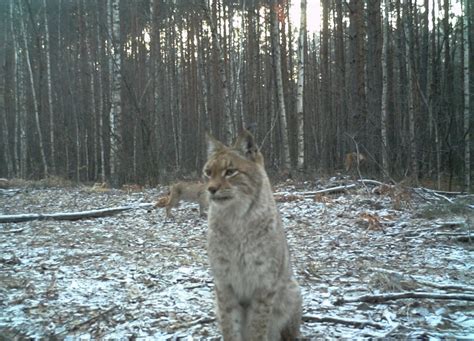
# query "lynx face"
(233, 174)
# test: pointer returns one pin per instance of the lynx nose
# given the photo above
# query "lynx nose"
(213, 189)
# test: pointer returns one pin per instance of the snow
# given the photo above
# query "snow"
(137, 274)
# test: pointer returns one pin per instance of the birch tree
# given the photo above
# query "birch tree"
(275, 36)
(116, 87)
(50, 90)
(100, 95)
(300, 87)
(33, 92)
(229, 126)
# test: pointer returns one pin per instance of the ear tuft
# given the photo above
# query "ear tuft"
(245, 144)
(213, 145)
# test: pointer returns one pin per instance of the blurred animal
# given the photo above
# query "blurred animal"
(4, 183)
(257, 295)
(352, 161)
(187, 191)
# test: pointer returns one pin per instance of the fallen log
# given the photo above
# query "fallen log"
(381, 298)
(18, 218)
(341, 320)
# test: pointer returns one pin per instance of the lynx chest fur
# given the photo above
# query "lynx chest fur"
(257, 296)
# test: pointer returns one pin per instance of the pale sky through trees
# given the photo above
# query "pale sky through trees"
(313, 13)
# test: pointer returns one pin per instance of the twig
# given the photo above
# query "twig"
(327, 190)
(402, 295)
(371, 182)
(440, 192)
(202, 320)
(13, 231)
(425, 282)
(89, 320)
(341, 320)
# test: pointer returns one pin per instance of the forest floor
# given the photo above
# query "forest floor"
(137, 274)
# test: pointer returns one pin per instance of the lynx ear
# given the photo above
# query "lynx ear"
(213, 145)
(245, 144)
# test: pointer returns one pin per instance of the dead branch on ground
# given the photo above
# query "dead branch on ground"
(17, 218)
(423, 281)
(381, 298)
(341, 320)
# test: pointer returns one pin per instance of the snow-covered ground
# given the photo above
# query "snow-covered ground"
(138, 275)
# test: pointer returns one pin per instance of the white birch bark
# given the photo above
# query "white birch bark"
(202, 78)
(100, 95)
(385, 98)
(467, 136)
(300, 87)
(229, 125)
(90, 62)
(23, 136)
(275, 36)
(33, 94)
(50, 90)
(116, 100)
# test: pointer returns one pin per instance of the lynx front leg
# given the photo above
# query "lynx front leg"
(230, 314)
(202, 208)
(259, 315)
(172, 202)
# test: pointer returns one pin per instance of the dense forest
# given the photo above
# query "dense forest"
(125, 91)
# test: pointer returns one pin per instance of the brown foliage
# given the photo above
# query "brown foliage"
(322, 198)
(288, 198)
(370, 221)
(400, 195)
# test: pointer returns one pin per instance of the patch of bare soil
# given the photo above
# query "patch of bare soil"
(370, 264)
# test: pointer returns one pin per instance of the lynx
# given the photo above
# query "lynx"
(187, 191)
(257, 295)
(351, 161)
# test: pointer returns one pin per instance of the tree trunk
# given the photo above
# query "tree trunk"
(385, 98)
(411, 106)
(6, 94)
(300, 87)
(340, 97)
(467, 136)
(116, 98)
(229, 126)
(275, 36)
(100, 97)
(357, 65)
(50, 90)
(33, 93)
(325, 123)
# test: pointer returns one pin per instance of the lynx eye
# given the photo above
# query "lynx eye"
(230, 172)
(207, 173)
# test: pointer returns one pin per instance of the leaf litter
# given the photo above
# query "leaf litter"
(139, 275)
